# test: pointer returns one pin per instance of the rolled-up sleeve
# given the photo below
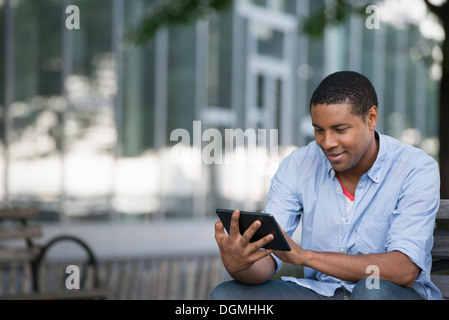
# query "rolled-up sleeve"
(413, 220)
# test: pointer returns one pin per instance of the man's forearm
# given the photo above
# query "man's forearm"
(261, 271)
(393, 266)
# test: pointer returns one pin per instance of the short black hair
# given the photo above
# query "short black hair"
(346, 87)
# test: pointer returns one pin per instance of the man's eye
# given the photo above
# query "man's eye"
(341, 130)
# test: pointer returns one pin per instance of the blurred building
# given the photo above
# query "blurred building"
(87, 117)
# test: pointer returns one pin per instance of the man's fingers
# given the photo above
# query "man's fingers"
(234, 228)
(219, 228)
(249, 233)
(262, 254)
(260, 243)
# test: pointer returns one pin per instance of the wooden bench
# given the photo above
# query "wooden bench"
(173, 277)
(440, 251)
(21, 261)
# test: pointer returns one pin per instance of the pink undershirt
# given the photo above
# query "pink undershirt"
(349, 198)
(345, 191)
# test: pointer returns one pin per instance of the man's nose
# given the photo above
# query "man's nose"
(329, 141)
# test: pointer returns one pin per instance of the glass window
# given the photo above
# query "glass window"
(138, 87)
(37, 106)
(181, 78)
(261, 2)
(278, 107)
(390, 84)
(270, 42)
(287, 6)
(260, 95)
(291, 6)
(220, 60)
(89, 127)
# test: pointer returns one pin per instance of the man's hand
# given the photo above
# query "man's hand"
(237, 253)
(295, 256)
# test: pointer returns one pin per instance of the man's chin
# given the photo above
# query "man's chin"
(339, 167)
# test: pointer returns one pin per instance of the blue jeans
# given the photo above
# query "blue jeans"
(283, 290)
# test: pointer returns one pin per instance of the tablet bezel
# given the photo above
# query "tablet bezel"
(269, 225)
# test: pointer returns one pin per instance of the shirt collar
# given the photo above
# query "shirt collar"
(375, 172)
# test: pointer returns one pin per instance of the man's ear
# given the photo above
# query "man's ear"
(371, 117)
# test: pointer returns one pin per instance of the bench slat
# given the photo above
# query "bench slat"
(19, 254)
(440, 247)
(443, 211)
(63, 295)
(442, 282)
(20, 232)
(17, 213)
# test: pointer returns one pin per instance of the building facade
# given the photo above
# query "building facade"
(89, 119)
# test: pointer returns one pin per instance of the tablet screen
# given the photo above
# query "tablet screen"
(269, 225)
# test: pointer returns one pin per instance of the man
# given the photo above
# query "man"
(367, 202)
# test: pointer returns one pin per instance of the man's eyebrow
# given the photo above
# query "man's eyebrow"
(333, 127)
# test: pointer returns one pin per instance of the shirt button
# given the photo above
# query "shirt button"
(338, 189)
(343, 282)
(343, 219)
(342, 250)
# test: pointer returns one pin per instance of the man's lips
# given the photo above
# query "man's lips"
(334, 157)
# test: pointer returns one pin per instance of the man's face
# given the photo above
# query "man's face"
(343, 136)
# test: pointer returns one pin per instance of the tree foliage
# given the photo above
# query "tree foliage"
(173, 12)
(338, 11)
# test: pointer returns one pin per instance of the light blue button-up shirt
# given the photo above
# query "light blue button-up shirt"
(395, 207)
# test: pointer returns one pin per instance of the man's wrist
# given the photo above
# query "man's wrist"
(304, 257)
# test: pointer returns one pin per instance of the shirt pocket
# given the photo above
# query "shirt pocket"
(372, 234)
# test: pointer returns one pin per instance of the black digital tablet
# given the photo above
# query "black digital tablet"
(269, 225)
